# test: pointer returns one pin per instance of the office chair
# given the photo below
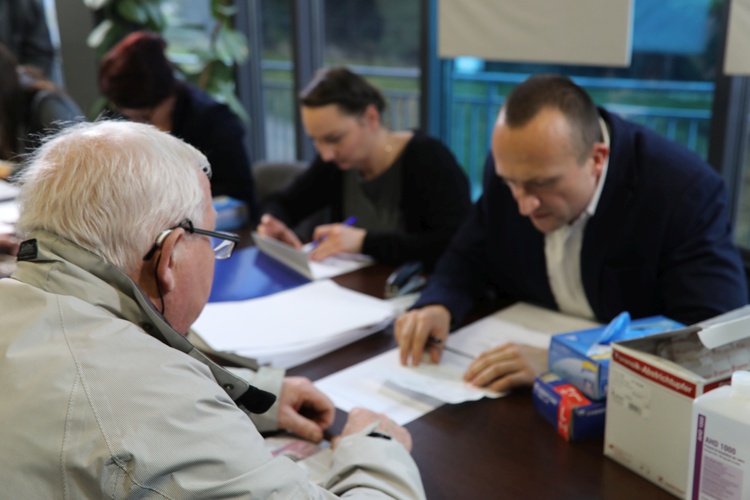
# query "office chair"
(271, 177)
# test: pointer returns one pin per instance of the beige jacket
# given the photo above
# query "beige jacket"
(94, 407)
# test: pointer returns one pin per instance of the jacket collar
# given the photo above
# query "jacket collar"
(57, 265)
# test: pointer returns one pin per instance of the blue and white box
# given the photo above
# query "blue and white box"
(582, 358)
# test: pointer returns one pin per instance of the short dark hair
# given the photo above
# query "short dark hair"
(136, 73)
(527, 99)
(344, 88)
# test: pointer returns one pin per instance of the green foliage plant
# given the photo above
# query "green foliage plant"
(205, 56)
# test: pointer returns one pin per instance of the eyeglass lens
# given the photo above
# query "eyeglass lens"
(222, 248)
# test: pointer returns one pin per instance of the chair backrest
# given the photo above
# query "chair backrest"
(271, 177)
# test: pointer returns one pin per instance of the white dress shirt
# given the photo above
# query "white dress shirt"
(562, 249)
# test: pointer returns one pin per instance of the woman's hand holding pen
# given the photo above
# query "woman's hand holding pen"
(271, 227)
(337, 238)
(420, 330)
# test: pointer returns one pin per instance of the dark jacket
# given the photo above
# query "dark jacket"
(434, 201)
(23, 29)
(660, 241)
(217, 132)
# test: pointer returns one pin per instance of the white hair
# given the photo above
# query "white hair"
(112, 187)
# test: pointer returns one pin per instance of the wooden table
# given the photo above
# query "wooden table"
(491, 448)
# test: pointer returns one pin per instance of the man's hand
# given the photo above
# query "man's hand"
(304, 410)
(507, 366)
(337, 238)
(271, 227)
(359, 418)
(9, 244)
(420, 329)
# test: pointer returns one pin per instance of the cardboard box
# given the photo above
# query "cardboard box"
(652, 384)
(575, 416)
(577, 358)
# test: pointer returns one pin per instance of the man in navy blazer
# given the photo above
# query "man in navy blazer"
(586, 213)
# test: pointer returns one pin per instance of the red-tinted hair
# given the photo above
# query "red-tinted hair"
(136, 73)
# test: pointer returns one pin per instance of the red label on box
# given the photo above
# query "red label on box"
(655, 374)
(570, 398)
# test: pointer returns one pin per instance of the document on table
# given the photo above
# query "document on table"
(299, 261)
(293, 326)
(520, 323)
(407, 393)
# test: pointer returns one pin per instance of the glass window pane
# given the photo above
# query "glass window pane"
(379, 39)
(278, 80)
(668, 86)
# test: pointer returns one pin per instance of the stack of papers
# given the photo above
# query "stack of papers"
(298, 259)
(406, 393)
(291, 327)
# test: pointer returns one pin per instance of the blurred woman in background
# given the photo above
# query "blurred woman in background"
(139, 81)
(405, 189)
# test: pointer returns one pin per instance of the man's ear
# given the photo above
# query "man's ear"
(165, 270)
(371, 115)
(600, 156)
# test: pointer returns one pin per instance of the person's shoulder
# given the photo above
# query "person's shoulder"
(422, 144)
(203, 115)
(644, 148)
(426, 151)
(200, 101)
(53, 105)
(422, 139)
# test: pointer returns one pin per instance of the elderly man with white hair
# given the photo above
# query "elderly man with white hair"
(103, 397)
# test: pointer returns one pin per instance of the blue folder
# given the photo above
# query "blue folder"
(249, 274)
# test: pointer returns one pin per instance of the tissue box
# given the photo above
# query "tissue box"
(653, 382)
(577, 357)
(575, 416)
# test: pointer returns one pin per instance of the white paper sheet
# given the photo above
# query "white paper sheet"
(291, 324)
(365, 384)
(295, 355)
(442, 381)
(405, 394)
(315, 270)
(520, 323)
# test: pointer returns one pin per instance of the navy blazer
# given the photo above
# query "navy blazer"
(660, 241)
(214, 129)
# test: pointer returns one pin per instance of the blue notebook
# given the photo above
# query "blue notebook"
(249, 274)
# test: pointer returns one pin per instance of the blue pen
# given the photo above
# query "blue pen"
(349, 221)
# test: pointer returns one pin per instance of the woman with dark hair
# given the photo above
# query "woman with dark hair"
(30, 107)
(139, 81)
(405, 189)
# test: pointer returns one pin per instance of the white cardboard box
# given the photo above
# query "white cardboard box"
(652, 384)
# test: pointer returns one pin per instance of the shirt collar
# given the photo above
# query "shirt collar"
(591, 208)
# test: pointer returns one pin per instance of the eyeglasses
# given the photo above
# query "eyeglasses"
(222, 243)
